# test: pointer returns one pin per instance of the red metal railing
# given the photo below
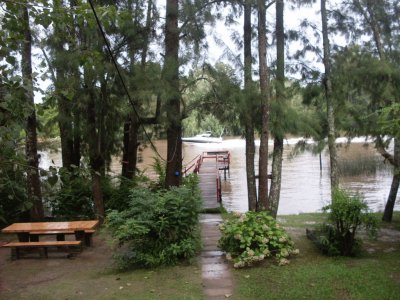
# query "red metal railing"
(222, 162)
(193, 164)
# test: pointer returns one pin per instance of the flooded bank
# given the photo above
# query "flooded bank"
(305, 186)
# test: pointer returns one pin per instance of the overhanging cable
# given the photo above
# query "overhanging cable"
(122, 80)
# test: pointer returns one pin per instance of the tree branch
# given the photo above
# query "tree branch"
(190, 18)
(380, 147)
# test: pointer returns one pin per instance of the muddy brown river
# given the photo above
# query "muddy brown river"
(305, 188)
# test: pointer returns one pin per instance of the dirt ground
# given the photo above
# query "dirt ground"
(90, 275)
(32, 270)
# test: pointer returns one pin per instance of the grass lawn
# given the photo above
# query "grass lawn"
(375, 274)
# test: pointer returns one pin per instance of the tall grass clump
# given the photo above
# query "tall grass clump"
(359, 165)
(346, 215)
(157, 227)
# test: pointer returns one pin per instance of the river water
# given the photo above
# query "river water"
(305, 188)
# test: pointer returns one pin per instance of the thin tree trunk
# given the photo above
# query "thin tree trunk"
(248, 111)
(263, 201)
(149, 20)
(250, 170)
(369, 16)
(96, 159)
(280, 97)
(76, 158)
(33, 178)
(171, 77)
(64, 104)
(131, 129)
(132, 126)
(76, 110)
(97, 192)
(388, 213)
(329, 101)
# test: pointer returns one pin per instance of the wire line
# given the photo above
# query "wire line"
(122, 79)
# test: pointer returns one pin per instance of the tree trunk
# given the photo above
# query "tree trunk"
(130, 150)
(64, 104)
(146, 41)
(96, 159)
(76, 108)
(97, 192)
(263, 201)
(33, 178)
(369, 15)
(388, 213)
(250, 170)
(248, 111)
(329, 101)
(132, 125)
(76, 157)
(280, 97)
(171, 78)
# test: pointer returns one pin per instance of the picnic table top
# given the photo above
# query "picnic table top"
(51, 226)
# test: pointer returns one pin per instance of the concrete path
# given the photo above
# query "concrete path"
(216, 275)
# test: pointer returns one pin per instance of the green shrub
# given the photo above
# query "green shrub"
(14, 201)
(347, 214)
(157, 228)
(252, 237)
(69, 193)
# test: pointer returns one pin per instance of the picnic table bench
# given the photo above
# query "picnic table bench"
(28, 235)
(70, 246)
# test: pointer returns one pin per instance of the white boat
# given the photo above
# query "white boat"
(204, 137)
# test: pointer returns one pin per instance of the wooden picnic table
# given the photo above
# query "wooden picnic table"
(24, 230)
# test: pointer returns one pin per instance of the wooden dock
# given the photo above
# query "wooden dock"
(209, 178)
(216, 276)
(208, 166)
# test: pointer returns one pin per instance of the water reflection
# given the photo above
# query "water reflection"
(305, 188)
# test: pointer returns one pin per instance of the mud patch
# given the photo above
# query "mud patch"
(388, 235)
(395, 277)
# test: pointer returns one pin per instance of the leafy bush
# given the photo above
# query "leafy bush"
(14, 202)
(252, 237)
(117, 198)
(157, 228)
(346, 216)
(69, 193)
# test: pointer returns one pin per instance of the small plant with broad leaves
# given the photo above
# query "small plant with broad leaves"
(254, 236)
(346, 215)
